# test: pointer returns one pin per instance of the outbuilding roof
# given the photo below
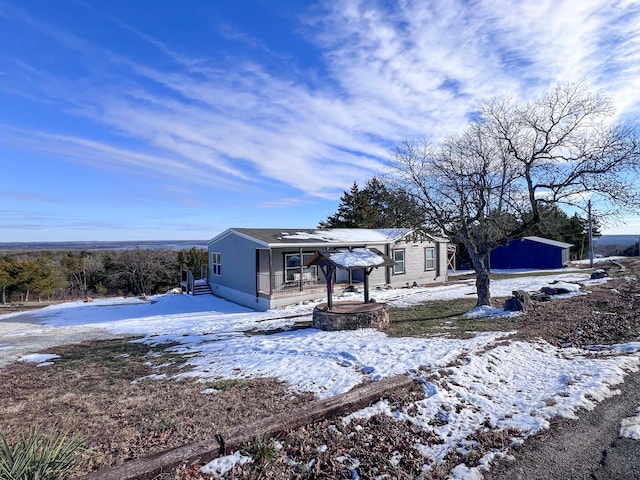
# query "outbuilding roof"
(548, 241)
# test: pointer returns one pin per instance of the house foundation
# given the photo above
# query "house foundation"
(351, 316)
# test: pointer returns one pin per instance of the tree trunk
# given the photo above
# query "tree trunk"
(483, 279)
(3, 300)
(482, 286)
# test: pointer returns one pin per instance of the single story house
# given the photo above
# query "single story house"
(530, 252)
(263, 268)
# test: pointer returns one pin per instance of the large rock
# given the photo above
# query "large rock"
(521, 301)
(555, 290)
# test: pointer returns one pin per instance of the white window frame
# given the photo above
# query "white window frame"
(399, 265)
(216, 264)
(428, 259)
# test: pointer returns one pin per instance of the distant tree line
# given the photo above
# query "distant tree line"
(63, 275)
(632, 250)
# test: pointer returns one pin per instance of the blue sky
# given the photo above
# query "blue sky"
(164, 119)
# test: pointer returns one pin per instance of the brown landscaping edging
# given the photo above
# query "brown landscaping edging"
(206, 450)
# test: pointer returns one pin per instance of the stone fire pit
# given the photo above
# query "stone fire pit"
(351, 316)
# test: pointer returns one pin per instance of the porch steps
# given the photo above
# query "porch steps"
(202, 288)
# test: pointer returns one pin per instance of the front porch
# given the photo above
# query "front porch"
(281, 273)
(280, 285)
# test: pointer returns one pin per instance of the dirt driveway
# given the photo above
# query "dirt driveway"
(583, 449)
(22, 334)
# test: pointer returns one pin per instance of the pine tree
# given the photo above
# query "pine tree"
(374, 206)
(555, 224)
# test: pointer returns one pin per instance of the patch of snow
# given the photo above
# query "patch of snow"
(597, 260)
(483, 311)
(348, 235)
(630, 427)
(219, 467)
(40, 358)
(154, 376)
(381, 407)
(395, 458)
(358, 257)
(462, 472)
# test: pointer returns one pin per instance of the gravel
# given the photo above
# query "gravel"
(587, 448)
(21, 334)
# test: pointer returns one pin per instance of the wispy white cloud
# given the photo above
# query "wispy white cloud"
(230, 32)
(102, 155)
(42, 220)
(180, 58)
(431, 62)
(24, 196)
(392, 71)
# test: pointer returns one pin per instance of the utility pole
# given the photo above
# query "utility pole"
(590, 234)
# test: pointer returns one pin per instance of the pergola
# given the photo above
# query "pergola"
(365, 259)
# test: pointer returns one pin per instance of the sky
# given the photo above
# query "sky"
(466, 382)
(165, 120)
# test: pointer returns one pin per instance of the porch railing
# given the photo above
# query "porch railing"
(279, 282)
(186, 280)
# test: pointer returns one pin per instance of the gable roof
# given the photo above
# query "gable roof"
(278, 237)
(548, 241)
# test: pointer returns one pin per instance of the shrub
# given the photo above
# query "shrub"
(39, 456)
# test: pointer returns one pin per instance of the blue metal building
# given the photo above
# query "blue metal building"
(530, 252)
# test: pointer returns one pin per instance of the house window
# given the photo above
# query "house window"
(292, 268)
(216, 263)
(429, 258)
(398, 258)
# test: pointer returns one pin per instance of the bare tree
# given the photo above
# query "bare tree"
(146, 269)
(486, 186)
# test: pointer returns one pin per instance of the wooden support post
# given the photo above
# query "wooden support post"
(367, 271)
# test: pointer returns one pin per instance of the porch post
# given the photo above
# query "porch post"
(301, 267)
(270, 272)
(257, 272)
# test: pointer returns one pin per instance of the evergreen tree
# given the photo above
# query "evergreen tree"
(194, 259)
(374, 206)
(8, 276)
(555, 224)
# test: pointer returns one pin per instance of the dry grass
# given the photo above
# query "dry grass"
(89, 391)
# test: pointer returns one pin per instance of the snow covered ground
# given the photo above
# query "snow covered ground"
(514, 385)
